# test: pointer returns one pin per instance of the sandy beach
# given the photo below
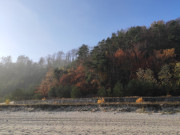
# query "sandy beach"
(85, 123)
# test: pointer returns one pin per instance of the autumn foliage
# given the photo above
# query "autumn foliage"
(101, 100)
(74, 76)
(138, 62)
(139, 100)
(47, 83)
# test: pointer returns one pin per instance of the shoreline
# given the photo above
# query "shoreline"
(94, 107)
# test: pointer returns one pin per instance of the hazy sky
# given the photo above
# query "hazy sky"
(37, 28)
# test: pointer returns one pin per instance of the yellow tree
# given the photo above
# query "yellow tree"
(177, 73)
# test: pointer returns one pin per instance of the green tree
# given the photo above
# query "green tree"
(165, 76)
(118, 90)
(75, 93)
(177, 73)
(143, 88)
(176, 84)
(83, 52)
(102, 92)
(146, 75)
(52, 92)
(64, 91)
(59, 91)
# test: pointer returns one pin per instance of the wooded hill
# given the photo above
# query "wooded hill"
(139, 61)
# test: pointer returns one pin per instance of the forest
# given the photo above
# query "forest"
(138, 61)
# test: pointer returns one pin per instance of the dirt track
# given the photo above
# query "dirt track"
(88, 123)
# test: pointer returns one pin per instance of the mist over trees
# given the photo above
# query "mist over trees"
(20, 79)
(140, 61)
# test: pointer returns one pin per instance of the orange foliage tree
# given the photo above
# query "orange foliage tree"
(73, 76)
(131, 59)
(77, 77)
(164, 54)
(136, 58)
(47, 83)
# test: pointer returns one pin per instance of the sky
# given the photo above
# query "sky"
(37, 28)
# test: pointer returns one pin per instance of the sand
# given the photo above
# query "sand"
(85, 123)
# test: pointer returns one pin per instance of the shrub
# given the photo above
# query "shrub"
(37, 96)
(18, 94)
(7, 101)
(75, 93)
(43, 99)
(139, 100)
(59, 92)
(143, 88)
(133, 88)
(63, 91)
(67, 91)
(101, 100)
(175, 90)
(109, 92)
(102, 92)
(118, 90)
(52, 92)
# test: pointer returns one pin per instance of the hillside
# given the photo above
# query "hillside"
(140, 61)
